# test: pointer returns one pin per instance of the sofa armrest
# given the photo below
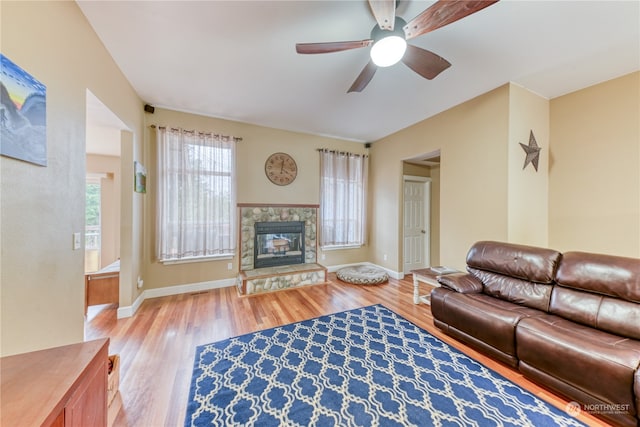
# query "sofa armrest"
(463, 283)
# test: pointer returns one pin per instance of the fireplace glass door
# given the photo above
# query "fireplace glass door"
(278, 243)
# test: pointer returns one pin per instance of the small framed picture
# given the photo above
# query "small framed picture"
(139, 178)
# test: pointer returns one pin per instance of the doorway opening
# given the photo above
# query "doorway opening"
(102, 206)
(420, 211)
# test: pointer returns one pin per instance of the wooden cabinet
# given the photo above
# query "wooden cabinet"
(102, 287)
(63, 386)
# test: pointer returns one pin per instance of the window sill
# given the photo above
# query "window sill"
(196, 259)
(339, 247)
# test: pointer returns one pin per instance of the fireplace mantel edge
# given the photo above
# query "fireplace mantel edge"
(276, 205)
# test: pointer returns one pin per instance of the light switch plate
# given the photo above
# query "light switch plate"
(77, 243)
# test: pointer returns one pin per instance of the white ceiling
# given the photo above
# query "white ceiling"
(236, 59)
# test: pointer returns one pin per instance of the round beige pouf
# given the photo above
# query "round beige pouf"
(362, 275)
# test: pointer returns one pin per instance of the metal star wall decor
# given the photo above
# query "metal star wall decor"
(533, 152)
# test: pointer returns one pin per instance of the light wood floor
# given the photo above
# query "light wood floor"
(157, 345)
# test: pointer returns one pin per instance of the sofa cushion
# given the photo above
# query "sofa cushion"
(461, 282)
(604, 274)
(592, 361)
(519, 261)
(597, 311)
(523, 292)
(485, 318)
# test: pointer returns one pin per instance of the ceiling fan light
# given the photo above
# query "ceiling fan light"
(388, 51)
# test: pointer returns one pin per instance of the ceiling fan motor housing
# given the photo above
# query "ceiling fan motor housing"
(378, 33)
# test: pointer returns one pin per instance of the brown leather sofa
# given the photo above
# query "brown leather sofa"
(570, 322)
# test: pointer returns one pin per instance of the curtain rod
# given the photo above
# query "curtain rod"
(235, 138)
(326, 150)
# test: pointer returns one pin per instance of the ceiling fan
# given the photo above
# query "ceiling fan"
(388, 38)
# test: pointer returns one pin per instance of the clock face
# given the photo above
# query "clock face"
(281, 169)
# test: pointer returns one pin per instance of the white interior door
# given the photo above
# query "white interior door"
(416, 223)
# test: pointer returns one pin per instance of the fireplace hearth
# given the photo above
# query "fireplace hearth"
(278, 243)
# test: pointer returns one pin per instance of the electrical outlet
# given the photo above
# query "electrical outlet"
(324, 257)
(229, 266)
(140, 282)
(384, 257)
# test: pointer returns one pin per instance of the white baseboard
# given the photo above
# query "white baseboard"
(129, 311)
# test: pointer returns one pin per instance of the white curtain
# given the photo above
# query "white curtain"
(196, 194)
(343, 198)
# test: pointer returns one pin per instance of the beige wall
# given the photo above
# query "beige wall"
(253, 187)
(415, 170)
(527, 189)
(435, 216)
(594, 176)
(132, 233)
(42, 276)
(473, 187)
(585, 195)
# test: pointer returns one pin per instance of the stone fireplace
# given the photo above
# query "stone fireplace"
(278, 247)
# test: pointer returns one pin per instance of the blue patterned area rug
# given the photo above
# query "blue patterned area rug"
(364, 367)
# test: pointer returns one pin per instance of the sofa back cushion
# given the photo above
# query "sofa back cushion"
(519, 261)
(597, 311)
(601, 291)
(602, 274)
(517, 273)
(518, 291)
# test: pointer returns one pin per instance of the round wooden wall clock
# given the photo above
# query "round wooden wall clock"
(281, 169)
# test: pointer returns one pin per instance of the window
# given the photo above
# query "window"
(343, 198)
(92, 229)
(196, 195)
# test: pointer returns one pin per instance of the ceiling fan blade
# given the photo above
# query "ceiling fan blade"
(364, 78)
(442, 13)
(424, 62)
(385, 13)
(310, 48)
